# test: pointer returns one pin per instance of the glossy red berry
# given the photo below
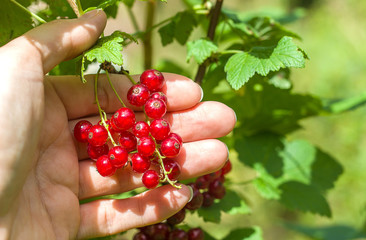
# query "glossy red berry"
(104, 166)
(170, 147)
(155, 108)
(161, 231)
(173, 167)
(128, 141)
(178, 234)
(140, 236)
(123, 119)
(94, 152)
(138, 94)
(176, 136)
(217, 189)
(153, 79)
(208, 199)
(140, 164)
(177, 218)
(150, 179)
(226, 168)
(201, 182)
(196, 201)
(196, 234)
(81, 130)
(159, 95)
(212, 176)
(146, 146)
(118, 156)
(141, 129)
(97, 135)
(160, 129)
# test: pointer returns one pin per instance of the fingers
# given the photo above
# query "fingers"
(79, 99)
(107, 217)
(59, 40)
(196, 159)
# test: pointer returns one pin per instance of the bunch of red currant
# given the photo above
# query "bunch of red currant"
(149, 146)
(206, 189)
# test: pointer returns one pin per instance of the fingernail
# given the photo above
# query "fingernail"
(191, 191)
(201, 94)
(228, 153)
(91, 14)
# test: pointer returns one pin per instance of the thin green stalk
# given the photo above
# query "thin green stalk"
(166, 178)
(114, 89)
(347, 104)
(81, 11)
(230, 52)
(39, 19)
(103, 115)
(132, 16)
(128, 76)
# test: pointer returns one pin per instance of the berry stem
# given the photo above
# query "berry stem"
(39, 19)
(166, 178)
(114, 90)
(102, 114)
(129, 76)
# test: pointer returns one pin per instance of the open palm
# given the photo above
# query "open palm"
(44, 172)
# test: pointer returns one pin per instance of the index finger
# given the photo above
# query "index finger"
(79, 99)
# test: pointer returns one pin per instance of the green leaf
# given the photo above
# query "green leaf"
(242, 66)
(129, 3)
(211, 214)
(333, 232)
(14, 21)
(200, 50)
(298, 196)
(107, 49)
(266, 185)
(232, 204)
(185, 22)
(240, 234)
(167, 33)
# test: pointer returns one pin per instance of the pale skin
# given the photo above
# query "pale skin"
(44, 172)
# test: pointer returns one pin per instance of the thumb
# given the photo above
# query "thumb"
(60, 40)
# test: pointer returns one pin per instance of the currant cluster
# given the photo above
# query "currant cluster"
(149, 146)
(206, 189)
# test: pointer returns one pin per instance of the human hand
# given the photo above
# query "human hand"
(44, 173)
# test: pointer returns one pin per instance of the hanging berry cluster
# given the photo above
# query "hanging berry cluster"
(206, 189)
(149, 146)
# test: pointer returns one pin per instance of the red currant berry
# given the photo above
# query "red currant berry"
(217, 189)
(176, 136)
(177, 218)
(104, 166)
(201, 183)
(153, 79)
(208, 200)
(128, 141)
(94, 152)
(196, 234)
(170, 147)
(140, 164)
(226, 168)
(140, 236)
(138, 94)
(146, 146)
(118, 156)
(160, 129)
(81, 130)
(141, 129)
(178, 234)
(196, 201)
(212, 176)
(97, 135)
(159, 95)
(161, 231)
(123, 119)
(155, 108)
(173, 167)
(150, 179)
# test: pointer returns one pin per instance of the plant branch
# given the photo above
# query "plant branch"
(215, 14)
(133, 19)
(74, 7)
(39, 19)
(150, 14)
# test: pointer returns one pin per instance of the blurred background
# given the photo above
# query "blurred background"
(334, 36)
